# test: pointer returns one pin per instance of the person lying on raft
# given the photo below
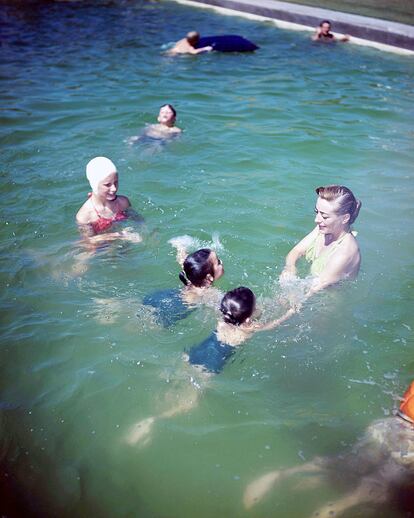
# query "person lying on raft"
(188, 45)
(104, 207)
(200, 270)
(323, 33)
(380, 466)
(166, 124)
(234, 328)
(331, 247)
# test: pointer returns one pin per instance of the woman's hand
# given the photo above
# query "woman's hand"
(288, 275)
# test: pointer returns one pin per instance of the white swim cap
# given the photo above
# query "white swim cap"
(98, 169)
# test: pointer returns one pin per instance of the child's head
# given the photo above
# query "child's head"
(238, 305)
(167, 115)
(201, 268)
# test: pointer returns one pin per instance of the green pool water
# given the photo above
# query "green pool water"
(82, 360)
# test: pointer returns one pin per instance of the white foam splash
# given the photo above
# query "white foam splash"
(185, 241)
(294, 289)
(192, 243)
(217, 245)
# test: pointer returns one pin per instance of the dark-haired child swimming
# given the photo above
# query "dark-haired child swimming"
(200, 270)
(235, 326)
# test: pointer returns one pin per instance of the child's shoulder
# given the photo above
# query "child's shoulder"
(231, 335)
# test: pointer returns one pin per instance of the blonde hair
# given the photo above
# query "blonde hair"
(347, 203)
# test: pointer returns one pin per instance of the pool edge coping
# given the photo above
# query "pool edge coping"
(305, 18)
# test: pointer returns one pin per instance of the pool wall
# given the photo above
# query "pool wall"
(381, 34)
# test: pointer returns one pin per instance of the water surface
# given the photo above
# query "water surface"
(82, 360)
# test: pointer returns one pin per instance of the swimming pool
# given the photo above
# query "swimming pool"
(81, 358)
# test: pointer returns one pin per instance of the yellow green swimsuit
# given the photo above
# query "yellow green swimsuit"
(319, 262)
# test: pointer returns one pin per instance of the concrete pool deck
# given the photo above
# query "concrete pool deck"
(373, 32)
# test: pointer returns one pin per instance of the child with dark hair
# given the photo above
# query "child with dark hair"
(200, 270)
(235, 327)
(166, 123)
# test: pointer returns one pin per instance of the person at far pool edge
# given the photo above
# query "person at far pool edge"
(104, 207)
(331, 247)
(188, 44)
(323, 33)
(237, 324)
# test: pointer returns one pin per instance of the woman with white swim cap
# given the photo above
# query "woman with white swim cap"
(103, 207)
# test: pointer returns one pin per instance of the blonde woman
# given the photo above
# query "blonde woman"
(331, 247)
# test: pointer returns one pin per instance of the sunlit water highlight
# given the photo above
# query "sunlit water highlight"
(82, 360)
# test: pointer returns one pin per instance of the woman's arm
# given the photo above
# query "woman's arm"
(298, 251)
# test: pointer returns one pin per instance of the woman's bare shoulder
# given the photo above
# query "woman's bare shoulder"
(351, 247)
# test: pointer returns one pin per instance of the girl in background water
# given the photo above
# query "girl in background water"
(166, 127)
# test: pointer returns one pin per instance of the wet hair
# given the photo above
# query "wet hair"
(325, 21)
(193, 37)
(237, 305)
(345, 198)
(196, 268)
(171, 107)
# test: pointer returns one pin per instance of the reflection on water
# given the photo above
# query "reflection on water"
(84, 359)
